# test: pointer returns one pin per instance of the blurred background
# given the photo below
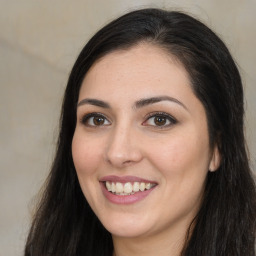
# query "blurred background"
(39, 42)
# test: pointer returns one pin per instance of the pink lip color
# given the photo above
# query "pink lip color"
(121, 199)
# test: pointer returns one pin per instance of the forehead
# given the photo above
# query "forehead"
(142, 67)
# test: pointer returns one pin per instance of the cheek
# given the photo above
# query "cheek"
(85, 155)
(181, 156)
(183, 165)
(86, 159)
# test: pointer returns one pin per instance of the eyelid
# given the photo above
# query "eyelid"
(86, 117)
(163, 114)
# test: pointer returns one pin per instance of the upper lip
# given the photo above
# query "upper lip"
(124, 179)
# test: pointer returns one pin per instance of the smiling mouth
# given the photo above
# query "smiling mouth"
(128, 188)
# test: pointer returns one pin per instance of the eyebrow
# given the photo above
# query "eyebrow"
(148, 101)
(138, 104)
(98, 103)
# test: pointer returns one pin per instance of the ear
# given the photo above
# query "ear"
(215, 160)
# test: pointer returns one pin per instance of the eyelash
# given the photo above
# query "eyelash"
(164, 115)
(167, 118)
(85, 119)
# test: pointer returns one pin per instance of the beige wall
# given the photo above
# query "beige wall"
(39, 41)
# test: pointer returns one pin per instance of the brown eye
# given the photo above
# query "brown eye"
(98, 120)
(94, 119)
(160, 120)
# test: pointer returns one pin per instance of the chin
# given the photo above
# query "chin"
(126, 227)
(128, 232)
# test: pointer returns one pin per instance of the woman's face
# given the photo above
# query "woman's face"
(141, 147)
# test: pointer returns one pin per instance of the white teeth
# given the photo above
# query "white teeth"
(108, 185)
(127, 188)
(113, 187)
(142, 186)
(148, 186)
(119, 187)
(136, 186)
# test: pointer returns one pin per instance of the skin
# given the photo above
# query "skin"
(176, 154)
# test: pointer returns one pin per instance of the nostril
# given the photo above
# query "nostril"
(127, 162)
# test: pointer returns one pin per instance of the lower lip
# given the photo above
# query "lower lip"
(129, 199)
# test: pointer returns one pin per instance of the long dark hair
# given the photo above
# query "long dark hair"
(64, 223)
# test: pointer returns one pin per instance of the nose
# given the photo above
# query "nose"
(123, 147)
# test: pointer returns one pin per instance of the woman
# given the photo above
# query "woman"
(151, 154)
